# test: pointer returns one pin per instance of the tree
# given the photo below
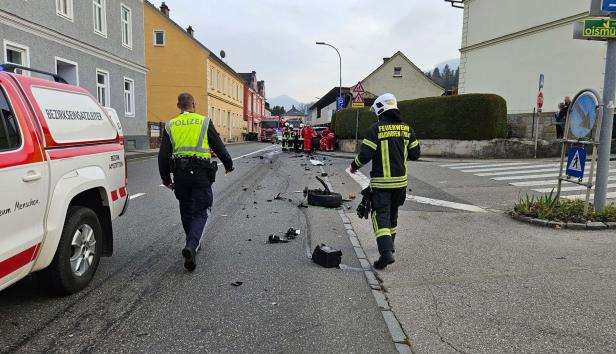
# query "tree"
(302, 107)
(278, 111)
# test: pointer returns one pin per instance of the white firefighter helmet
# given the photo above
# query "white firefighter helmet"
(286, 124)
(301, 125)
(384, 103)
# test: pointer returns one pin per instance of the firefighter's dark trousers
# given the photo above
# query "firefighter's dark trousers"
(194, 192)
(385, 204)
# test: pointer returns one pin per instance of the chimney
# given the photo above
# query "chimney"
(385, 60)
(190, 31)
(164, 9)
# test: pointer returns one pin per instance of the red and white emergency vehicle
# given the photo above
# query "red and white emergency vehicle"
(268, 127)
(63, 180)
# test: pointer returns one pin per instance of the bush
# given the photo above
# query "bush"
(464, 117)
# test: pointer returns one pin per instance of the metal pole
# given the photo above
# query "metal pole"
(536, 129)
(339, 57)
(356, 130)
(605, 139)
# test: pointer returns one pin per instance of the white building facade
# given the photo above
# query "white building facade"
(506, 45)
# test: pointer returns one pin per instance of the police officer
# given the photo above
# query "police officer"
(388, 144)
(186, 151)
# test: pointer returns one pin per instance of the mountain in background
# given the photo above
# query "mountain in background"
(285, 101)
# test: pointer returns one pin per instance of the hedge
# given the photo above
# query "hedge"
(463, 117)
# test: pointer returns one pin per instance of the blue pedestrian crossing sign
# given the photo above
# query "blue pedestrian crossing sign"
(576, 162)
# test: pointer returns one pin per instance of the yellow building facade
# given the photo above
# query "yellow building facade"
(178, 63)
(226, 99)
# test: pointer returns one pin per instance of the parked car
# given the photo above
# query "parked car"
(63, 180)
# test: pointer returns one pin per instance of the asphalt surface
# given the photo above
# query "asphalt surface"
(142, 299)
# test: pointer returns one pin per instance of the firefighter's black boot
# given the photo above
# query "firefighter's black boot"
(393, 243)
(386, 246)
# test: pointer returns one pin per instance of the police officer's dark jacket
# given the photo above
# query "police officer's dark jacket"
(166, 152)
(388, 144)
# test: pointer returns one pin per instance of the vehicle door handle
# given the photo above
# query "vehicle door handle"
(32, 176)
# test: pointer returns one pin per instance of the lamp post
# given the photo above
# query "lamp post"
(329, 45)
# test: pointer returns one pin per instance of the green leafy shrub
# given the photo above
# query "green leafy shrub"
(464, 117)
(548, 207)
(607, 214)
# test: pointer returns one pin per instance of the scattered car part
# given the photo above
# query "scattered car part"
(326, 256)
(324, 198)
(276, 239)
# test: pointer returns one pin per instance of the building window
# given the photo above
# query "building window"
(211, 77)
(17, 54)
(127, 26)
(68, 70)
(397, 71)
(224, 81)
(100, 17)
(218, 80)
(102, 87)
(129, 97)
(64, 8)
(159, 38)
(10, 136)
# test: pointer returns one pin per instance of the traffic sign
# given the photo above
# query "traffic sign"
(539, 101)
(359, 88)
(608, 5)
(583, 114)
(339, 103)
(541, 81)
(576, 162)
(358, 101)
(599, 28)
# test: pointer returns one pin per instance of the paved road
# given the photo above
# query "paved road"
(142, 300)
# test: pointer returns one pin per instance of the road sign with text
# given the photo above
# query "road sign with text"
(358, 101)
(608, 5)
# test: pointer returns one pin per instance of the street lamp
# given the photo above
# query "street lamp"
(329, 45)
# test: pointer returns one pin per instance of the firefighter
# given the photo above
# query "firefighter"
(307, 134)
(331, 141)
(295, 140)
(388, 144)
(285, 138)
(186, 151)
(300, 139)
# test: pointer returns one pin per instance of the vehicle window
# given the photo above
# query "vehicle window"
(10, 138)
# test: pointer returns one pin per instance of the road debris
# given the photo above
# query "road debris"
(326, 256)
(276, 239)
(317, 163)
(237, 283)
(292, 233)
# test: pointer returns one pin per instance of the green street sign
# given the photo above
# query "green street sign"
(599, 28)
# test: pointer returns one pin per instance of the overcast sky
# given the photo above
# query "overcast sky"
(276, 38)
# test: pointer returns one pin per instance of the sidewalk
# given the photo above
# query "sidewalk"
(484, 283)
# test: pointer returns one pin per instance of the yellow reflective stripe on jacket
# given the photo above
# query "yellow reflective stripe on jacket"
(406, 157)
(188, 135)
(385, 158)
(357, 162)
(369, 144)
(414, 144)
(389, 185)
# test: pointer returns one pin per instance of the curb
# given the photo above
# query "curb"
(400, 339)
(591, 225)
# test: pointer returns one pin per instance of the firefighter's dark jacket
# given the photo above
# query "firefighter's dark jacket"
(389, 143)
(166, 152)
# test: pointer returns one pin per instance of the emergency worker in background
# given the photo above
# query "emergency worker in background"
(300, 138)
(307, 134)
(186, 151)
(285, 137)
(388, 144)
(295, 139)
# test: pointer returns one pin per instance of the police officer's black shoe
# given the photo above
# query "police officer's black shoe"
(386, 259)
(190, 262)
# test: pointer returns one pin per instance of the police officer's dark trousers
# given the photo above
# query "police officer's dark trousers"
(194, 192)
(385, 205)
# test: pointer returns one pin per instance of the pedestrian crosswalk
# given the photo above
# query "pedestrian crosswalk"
(540, 177)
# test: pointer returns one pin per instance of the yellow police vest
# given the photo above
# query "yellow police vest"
(188, 134)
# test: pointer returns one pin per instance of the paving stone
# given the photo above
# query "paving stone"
(359, 252)
(556, 224)
(351, 233)
(595, 225)
(394, 327)
(371, 278)
(403, 348)
(365, 264)
(354, 241)
(576, 226)
(380, 300)
(611, 225)
(539, 222)
(348, 226)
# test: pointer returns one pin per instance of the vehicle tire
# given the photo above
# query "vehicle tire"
(317, 197)
(78, 254)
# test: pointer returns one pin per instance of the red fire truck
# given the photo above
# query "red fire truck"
(268, 127)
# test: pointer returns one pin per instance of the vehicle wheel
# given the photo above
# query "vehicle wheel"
(318, 197)
(78, 253)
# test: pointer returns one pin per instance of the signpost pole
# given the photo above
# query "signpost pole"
(356, 130)
(605, 140)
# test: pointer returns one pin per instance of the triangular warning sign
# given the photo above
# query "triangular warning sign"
(359, 88)
(576, 163)
(358, 99)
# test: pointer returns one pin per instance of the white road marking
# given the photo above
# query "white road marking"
(513, 178)
(592, 196)
(461, 164)
(508, 173)
(364, 182)
(252, 153)
(569, 189)
(508, 164)
(511, 168)
(549, 182)
(135, 196)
